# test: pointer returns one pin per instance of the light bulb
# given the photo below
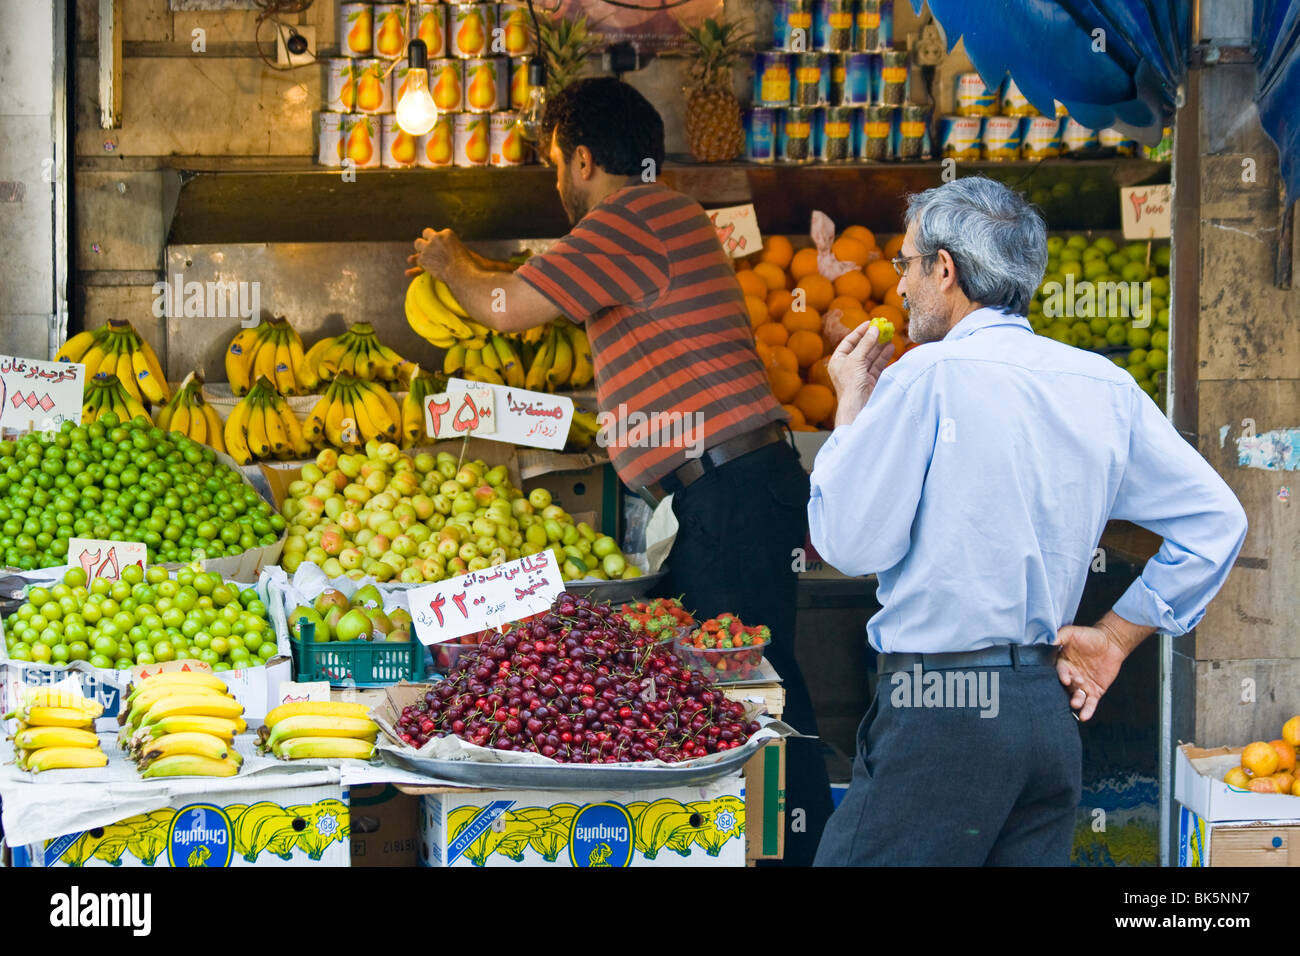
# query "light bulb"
(530, 117)
(416, 112)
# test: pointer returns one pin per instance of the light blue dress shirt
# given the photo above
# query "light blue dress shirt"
(978, 478)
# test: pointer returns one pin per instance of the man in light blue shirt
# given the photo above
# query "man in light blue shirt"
(974, 478)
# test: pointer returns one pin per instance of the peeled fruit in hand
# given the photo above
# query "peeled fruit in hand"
(885, 329)
(1237, 777)
(1260, 760)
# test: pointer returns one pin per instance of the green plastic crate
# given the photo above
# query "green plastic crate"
(358, 663)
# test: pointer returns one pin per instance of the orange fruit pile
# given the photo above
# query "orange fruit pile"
(1269, 766)
(790, 340)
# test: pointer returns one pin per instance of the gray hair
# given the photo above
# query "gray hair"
(996, 238)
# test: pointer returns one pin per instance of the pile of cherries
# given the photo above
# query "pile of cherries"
(576, 685)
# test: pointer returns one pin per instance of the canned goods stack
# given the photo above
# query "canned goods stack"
(999, 124)
(477, 75)
(831, 89)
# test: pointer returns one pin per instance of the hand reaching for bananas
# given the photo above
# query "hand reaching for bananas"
(435, 251)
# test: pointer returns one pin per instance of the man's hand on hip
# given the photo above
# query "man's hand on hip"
(855, 368)
(1090, 658)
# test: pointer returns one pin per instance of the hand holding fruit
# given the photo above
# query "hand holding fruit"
(856, 366)
(435, 252)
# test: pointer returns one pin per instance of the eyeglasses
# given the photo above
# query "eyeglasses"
(900, 262)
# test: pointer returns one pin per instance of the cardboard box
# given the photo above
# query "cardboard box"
(385, 826)
(765, 803)
(1199, 786)
(683, 826)
(303, 826)
(1263, 843)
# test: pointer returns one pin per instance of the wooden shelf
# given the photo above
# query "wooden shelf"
(281, 199)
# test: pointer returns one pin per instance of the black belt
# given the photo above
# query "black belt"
(1003, 655)
(718, 455)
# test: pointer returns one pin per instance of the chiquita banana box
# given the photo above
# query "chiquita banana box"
(300, 827)
(686, 826)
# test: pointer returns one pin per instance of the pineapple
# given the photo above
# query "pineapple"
(713, 129)
(566, 43)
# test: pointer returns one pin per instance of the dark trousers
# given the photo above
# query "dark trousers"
(738, 527)
(941, 785)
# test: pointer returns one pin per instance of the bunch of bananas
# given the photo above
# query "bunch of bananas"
(328, 729)
(106, 393)
(357, 352)
(262, 426)
(190, 415)
(498, 362)
(582, 430)
(433, 312)
(422, 385)
(270, 350)
(182, 724)
(56, 731)
(351, 413)
(117, 349)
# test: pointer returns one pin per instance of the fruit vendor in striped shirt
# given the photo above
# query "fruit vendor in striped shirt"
(685, 405)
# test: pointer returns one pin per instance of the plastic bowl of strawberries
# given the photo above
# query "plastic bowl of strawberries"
(724, 649)
(659, 620)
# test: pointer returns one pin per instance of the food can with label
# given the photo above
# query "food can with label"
(873, 25)
(341, 78)
(329, 148)
(356, 29)
(400, 148)
(506, 140)
(893, 77)
(1001, 138)
(877, 127)
(1014, 102)
(362, 140)
(836, 142)
(808, 79)
(857, 80)
(792, 25)
(473, 139)
(390, 30)
(1042, 137)
(1122, 143)
(913, 132)
(1075, 137)
(973, 98)
(833, 26)
(470, 29)
(487, 88)
(437, 147)
(772, 80)
(512, 21)
(374, 86)
(447, 84)
(431, 27)
(961, 137)
(519, 81)
(794, 140)
(400, 79)
(760, 135)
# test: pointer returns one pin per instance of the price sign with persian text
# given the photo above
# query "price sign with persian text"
(39, 396)
(519, 417)
(474, 602)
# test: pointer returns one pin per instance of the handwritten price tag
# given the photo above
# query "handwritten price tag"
(105, 559)
(292, 692)
(39, 396)
(520, 417)
(1146, 211)
(479, 600)
(466, 408)
(737, 229)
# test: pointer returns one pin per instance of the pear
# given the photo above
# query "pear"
(330, 598)
(401, 621)
(368, 597)
(301, 612)
(380, 623)
(332, 618)
(354, 626)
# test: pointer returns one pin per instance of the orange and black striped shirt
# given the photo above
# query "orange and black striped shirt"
(676, 367)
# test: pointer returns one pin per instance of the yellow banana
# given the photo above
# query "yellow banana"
(201, 705)
(285, 383)
(314, 428)
(562, 365)
(334, 416)
(512, 366)
(76, 347)
(311, 725)
(329, 364)
(258, 442)
(583, 370)
(297, 748)
(222, 727)
(55, 717)
(276, 436)
(536, 379)
(165, 413)
(151, 387)
(311, 361)
(489, 356)
(235, 434)
(293, 431)
(214, 427)
(200, 678)
(454, 360)
(317, 708)
(264, 357)
(191, 765)
(370, 422)
(125, 373)
(448, 300)
(481, 373)
(239, 360)
(424, 303)
(155, 367)
(389, 405)
(95, 357)
(190, 742)
(36, 738)
(180, 420)
(65, 758)
(306, 378)
(54, 697)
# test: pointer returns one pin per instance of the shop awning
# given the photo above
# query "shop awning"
(1119, 63)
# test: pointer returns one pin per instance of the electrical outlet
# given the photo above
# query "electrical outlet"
(929, 45)
(282, 55)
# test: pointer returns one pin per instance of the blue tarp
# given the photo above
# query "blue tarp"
(1119, 63)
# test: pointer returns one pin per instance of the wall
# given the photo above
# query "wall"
(27, 216)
